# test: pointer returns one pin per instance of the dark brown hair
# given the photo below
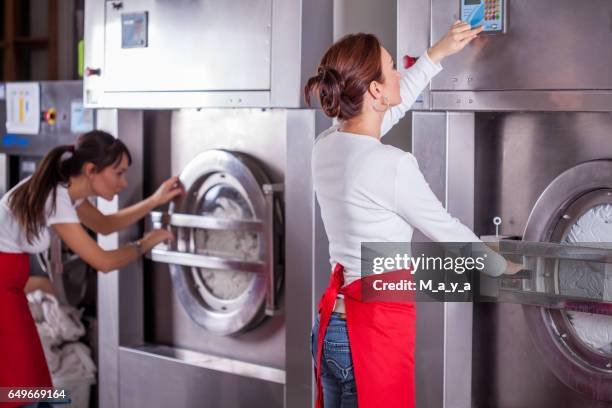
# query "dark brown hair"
(28, 200)
(344, 75)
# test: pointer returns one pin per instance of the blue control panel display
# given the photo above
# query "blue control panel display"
(489, 13)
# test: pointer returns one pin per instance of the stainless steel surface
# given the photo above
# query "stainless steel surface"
(501, 101)
(271, 259)
(516, 156)
(243, 27)
(307, 267)
(210, 362)
(458, 317)
(513, 157)
(301, 32)
(269, 49)
(198, 270)
(430, 149)
(176, 353)
(511, 71)
(514, 148)
(120, 296)
(199, 261)
(578, 366)
(185, 259)
(181, 383)
(259, 135)
(555, 251)
(523, 58)
(551, 301)
(200, 221)
(4, 184)
(414, 36)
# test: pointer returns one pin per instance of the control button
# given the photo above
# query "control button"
(92, 71)
(49, 116)
(409, 61)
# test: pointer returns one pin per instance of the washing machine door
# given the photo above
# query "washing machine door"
(226, 262)
(574, 334)
(73, 280)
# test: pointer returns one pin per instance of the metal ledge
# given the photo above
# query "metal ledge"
(523, 101)
(215, 363)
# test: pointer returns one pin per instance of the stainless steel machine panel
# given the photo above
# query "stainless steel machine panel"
(260, 135)
(520, 355)
(170, 383)
(520, 358)
(153, 346)
(203, 45)
(165, 54)
(548, 45)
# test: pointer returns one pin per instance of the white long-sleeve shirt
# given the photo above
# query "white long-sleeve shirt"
(371, 192)
(12, 235)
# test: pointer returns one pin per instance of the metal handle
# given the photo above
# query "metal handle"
(203, 261)
(555, 250)
(204, 222)
(522, 274)
(554, 301)
(500, 291)
(271, 272)
(267, 266)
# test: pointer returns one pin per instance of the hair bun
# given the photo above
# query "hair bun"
(330, 87)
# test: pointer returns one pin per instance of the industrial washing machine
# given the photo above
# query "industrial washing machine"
(221, 316)
(516, 129)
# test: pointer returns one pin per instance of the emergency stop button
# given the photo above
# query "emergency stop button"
(409, 61)
(49, 116)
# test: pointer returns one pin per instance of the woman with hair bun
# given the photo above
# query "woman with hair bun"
(56, 197)
(370, 192)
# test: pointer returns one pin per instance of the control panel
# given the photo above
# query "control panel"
(489, 13)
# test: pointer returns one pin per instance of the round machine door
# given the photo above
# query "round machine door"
(575, 209)
(226, 261)
(73, 280)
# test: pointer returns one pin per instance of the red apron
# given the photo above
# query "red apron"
(22, 360)
(381, 336)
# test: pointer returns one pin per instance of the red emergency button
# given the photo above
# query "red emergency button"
(92, 71)
(409, 61)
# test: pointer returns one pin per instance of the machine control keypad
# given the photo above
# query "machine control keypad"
(489, 13)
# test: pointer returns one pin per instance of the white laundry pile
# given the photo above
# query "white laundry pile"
(60, 327)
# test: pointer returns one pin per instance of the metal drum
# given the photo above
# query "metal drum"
(575, 208)
(226, 261)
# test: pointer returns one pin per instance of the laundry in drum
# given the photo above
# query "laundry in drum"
(590, 279)
(223, 201)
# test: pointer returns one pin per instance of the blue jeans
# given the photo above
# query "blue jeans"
(337, 376)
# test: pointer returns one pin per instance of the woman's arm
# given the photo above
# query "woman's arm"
(418, 205)
(420, 74)
(107, 224)
(103, 224)
(411, 85)
(79, 241)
